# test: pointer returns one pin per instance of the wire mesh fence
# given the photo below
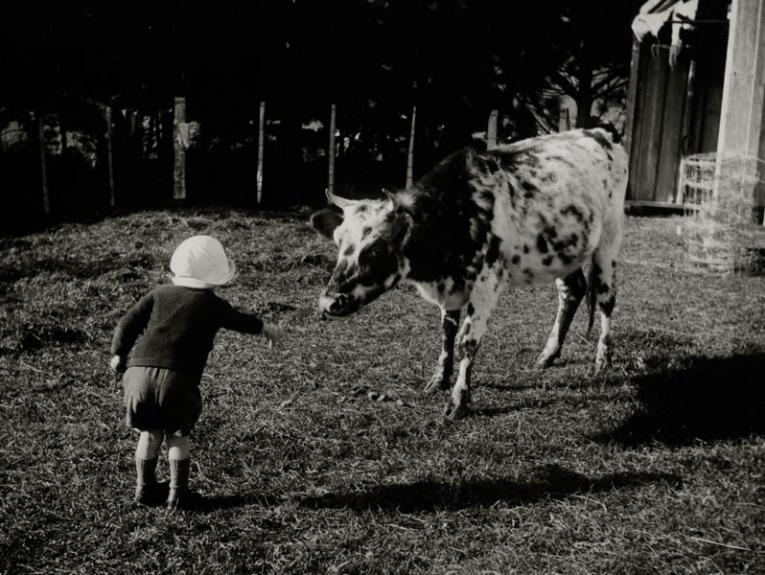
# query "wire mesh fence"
(723, 196)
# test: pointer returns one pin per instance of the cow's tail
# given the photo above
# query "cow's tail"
(592, 295)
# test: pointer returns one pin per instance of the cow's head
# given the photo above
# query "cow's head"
(369, 235)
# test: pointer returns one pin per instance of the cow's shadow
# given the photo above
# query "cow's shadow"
(704, 399)
(551, 481)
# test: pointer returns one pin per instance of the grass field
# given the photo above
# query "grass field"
(322, 456)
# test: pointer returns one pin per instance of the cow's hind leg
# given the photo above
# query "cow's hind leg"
(571, 290)
(450, 320)
(603, 286)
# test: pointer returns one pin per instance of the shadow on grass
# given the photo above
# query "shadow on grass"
(550, 481)
(520, 405)
(199, 503)
(706, 399)
(131, 267)
(207, 504)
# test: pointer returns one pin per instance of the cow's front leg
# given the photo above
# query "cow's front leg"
(481, 303)
(450, 320)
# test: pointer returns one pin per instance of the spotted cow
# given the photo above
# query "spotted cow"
(527, 213)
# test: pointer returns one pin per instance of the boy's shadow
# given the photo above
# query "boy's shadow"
(208, 503)
(551, 481)
(707, 399)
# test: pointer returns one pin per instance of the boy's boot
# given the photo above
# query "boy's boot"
(145, 480)
(179, 483)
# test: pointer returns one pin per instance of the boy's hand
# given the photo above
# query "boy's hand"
(117, 364)
(274, 333)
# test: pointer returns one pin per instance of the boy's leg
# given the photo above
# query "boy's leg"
(146, 453)
(179, 459)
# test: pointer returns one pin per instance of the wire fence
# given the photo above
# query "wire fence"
(724, 230)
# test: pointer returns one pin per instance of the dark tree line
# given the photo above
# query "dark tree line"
(455, 59)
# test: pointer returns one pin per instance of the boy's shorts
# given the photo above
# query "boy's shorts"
(159, 398)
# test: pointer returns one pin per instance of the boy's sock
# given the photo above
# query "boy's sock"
(146, 452)
(145, 479)
(179, 482)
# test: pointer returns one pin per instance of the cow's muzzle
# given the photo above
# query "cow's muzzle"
(337, 304)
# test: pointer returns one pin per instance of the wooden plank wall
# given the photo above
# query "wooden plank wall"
(657, 131)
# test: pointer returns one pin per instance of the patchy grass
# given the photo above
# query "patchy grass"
(323, 457)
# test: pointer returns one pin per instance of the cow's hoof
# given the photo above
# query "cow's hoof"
(436, 383)
(545, 361)
(601, 366)
(455, 412)
(602, 360)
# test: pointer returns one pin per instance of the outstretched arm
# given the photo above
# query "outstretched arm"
(250, 323)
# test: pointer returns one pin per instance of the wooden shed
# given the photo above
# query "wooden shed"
(676, 90)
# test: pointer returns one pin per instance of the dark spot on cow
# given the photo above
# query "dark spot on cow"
(529, 189)
(492, 253)
(613, 264)
(607, 307)
(516, 259)
(487, 197)
(526, 249)
(365, 232)
(470, 309)
(562, 160)
(528, 273)
(605, 185)
(547, 260)
(348, 251)
(562, 244)
(599, 138)
(549, 178)
(574, 211)
(565, 258)
(468, 347)
(541, 244)
(361, 209)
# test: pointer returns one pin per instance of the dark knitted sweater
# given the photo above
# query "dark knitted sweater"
(174, 327)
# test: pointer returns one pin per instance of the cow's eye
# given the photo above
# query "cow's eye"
(374, 251)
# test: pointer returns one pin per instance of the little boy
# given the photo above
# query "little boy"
(162, 344)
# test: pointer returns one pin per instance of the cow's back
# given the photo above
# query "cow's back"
(553, 200)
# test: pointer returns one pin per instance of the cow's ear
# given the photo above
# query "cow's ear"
(402, 221)
(325, 222)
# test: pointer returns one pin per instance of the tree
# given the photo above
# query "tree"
(591, 42)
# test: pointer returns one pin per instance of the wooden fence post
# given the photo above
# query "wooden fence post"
(37, 119)
(110, 154)
(564, 120)
(331, 154)
(632, 95)
(179, 151)
(261, 141)
(410, 154)
(491, 131)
